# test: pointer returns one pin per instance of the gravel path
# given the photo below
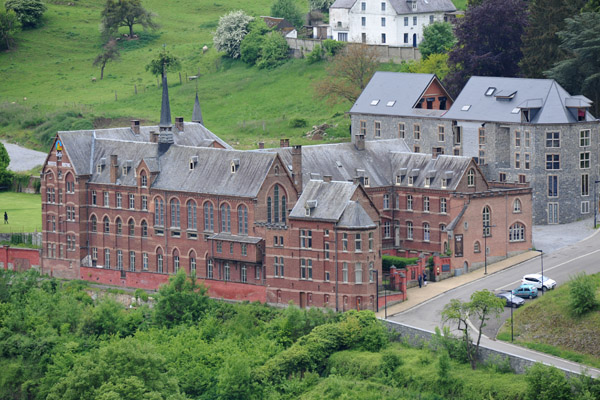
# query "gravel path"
(22, 159)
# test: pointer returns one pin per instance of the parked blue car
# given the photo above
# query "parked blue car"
(526, 291)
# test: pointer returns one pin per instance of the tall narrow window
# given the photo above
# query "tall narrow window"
(486, 216)
(225, 218)
(345, 272)
(269, 216)
(159, 212)
(209, 218)
(409, 230)
(471, 177)
(159, 263)
(144, 228)
(426, 232)
(443, 206)
(276, 204)
(358, 243)
(132, 261)
(242, 220)
(131, 225)
(175, 214)
(358, 273)
(283, 210)
(192, 264)
(106, 258)
(191, 215)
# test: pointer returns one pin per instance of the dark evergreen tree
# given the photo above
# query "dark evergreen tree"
(580, 73)
(541, 43)
(489, 42)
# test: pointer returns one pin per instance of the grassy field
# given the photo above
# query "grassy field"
(47, 80)
(24, 212)
(548, 325)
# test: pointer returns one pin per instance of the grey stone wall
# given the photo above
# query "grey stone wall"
(417, 337)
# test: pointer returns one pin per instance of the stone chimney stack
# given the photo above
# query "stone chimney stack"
(284, 142)
(179, 124)
(297, 167)
(261, 145)
(114, 168)
(154, 137)
(135, 126)
(360, 142)
(327, 178)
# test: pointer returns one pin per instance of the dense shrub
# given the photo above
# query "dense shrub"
(398, 262)
(274, 51)
(583, 294)
(298, 123)
(230, 32)
(548, 383)
(29, 12)
(332, 47)
(251, 46)
(316, 55)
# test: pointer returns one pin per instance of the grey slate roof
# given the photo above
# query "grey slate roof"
(343, 161)
(332, 202)
(402, 7)
(423, 166)
(78, 144)
(547, 94)
(398, 89)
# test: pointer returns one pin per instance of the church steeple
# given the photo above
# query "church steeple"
(165, 109)
(197, 113)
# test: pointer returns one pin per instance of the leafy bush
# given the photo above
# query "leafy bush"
(250, 48)
(274, 51)
(332, 47)
(548, 383)
(29, 12)
(298, 123)
(583, 294)
(9, 26)
(230, 32)
(398, 262)
(438, 38)
(316, 55)
(289, 10)
(357, 364)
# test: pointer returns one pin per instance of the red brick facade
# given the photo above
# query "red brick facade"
(19, 259)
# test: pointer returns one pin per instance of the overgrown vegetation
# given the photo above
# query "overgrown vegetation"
(398, 262)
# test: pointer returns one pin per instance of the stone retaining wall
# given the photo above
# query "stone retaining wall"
(301, 47)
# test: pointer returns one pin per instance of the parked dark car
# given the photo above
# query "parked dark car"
(511, 300)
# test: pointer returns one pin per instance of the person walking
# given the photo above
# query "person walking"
(420, 279)
(5, 217)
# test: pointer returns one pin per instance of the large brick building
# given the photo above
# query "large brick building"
(131, 206)
(519, 130)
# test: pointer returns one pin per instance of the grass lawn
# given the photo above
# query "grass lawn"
(548, 325)
(24, 212)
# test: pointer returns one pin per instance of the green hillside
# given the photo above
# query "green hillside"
(47, 80)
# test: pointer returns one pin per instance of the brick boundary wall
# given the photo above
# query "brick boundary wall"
(417, 336)
(18, 258)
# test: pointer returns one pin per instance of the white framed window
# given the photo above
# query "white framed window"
(370, 241)
(386, 201)
(409, 230)
(426, 203)
(552, 139)
(584, 138)
(358, 243)
(516, 232)
(305, 239)
(358, 273)
(517, 206)
(344, 242)
(443, 206)
(119, 198)
(401, 130)
(471, 178)
(585, 207)
(145, 261)
(387, 230)
(345, 272)
(306, 268)
(409, 202)
(426, 232)
(226, 272)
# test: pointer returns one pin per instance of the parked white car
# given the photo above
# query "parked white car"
(542, 283)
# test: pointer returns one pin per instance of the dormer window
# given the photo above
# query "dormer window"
(366, 181)
(307, 211)
(124, 170)
(399, 179)
(98, 169)
(276, 170)
(444, 183)
(428, 182)
(193, 162)
(310, 205)
(235, 165)
(411, 180)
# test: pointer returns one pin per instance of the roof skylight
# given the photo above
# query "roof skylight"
(374, 102)
(490, 91)
(391, 103)
(466, 107)
(516, 110)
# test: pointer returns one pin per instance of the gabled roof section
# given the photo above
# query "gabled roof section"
(343, 3)
(344, 162)
(395, 94)
(546, 95)
(332, 201)
(402, 6)
(423, 167)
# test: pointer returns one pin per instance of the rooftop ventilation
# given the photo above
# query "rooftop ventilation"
(374, 102)
(339, 164)
(391, 103)
(466, 108)
(235, 165)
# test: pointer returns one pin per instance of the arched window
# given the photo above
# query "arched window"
(119, 226)
(159, 261)
(94, 223)
(159, 212)
(192, 258)
(486, 215)
(471, 177)
(268, 209)
(477, 247)
(175, 214)
(175, 260)
(225, 218)
(106, 222)
(209, 218)
(144, 228)
(517, 206)
(242, 220)
(70, 183)
(283, 210)
(516, 232)
(131, 224)
(276, 204)
(143, 179)
(426, 232)
(191, 215)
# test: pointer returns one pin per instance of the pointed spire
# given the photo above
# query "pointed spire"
(165, 110)
(197, 114)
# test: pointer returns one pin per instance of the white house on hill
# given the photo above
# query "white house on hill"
(387, 22)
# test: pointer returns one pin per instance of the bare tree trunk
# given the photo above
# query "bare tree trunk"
(102, 70)
(130, 31)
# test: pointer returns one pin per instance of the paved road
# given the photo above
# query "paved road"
(22, 159)
(559, 265)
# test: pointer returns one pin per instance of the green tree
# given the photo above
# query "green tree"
(548, 383)
(583, 294)
(289, 10)
(4, 157)
(110, 52)
(181, 301)
(231, 30)
(163, 63)
(321, 5)
(580, 73)
(118, 13)
(348, 74)
(541, 44)
(482, 306)
(438, 38)
(253, 41)
(274, 51)
(6, 176)
(29, 12)
(9, 26)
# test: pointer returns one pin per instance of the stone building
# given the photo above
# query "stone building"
(519, 130)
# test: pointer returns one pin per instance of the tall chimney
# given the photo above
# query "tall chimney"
(114, 168)
(261, 145)
(297, 167)
(135, 126)
(327, 178)
(359, 142)
(179, 124)
(284, 142)
(154, 137)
